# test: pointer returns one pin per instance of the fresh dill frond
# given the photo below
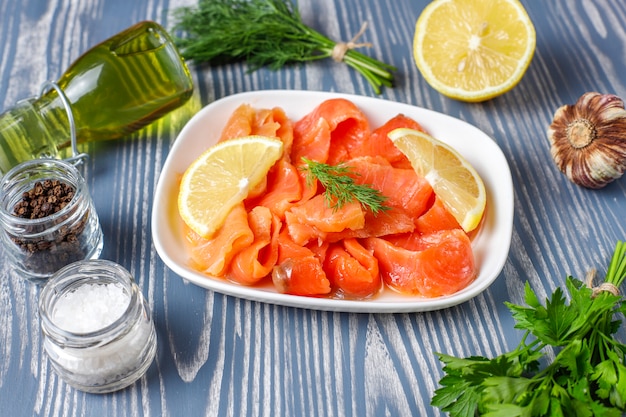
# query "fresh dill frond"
(263, 33)
(340, 187)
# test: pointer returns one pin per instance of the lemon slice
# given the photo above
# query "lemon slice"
(221, 178)
(453, 179)
(473, 50)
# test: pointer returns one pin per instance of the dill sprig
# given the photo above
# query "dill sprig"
(263, 33)
(340, 188)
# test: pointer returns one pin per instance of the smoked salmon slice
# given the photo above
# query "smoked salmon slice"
(283, 189)
(275, 123)
(411, 241)
(317, 212)
(303, 234)
(436, 218)
(311, 139)
(330, 132)
(255, 262)
(315, 219)
(298, 270)
(239, 124)
(389, 222)
(246, 121)
(402, 187)
(213, 256)
(379, 144)
(352, 270)
(444, 267)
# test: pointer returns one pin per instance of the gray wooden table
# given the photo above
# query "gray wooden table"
(219, 355)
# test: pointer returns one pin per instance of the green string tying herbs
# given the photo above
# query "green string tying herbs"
(266, 33)
(568, 363)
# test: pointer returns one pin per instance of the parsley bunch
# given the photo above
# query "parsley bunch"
(567, 364)
(266, 33)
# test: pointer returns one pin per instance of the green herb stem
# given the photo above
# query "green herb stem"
(617, 267)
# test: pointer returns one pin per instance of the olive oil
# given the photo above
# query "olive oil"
(114, 89)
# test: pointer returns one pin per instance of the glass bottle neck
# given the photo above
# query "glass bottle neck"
(33, 128)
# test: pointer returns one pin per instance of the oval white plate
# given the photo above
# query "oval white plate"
(491, 244)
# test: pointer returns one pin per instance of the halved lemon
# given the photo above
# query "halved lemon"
(221, 178)
(473, 50)
(453, 178)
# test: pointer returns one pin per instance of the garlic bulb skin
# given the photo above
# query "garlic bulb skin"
(588, 139)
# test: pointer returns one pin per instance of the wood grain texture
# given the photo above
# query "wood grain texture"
(224, 356)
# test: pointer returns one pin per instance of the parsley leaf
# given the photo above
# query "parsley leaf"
(568, 362)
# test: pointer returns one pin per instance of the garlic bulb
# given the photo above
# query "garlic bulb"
(588, 139)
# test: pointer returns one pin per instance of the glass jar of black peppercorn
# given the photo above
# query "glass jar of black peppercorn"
(47, 218)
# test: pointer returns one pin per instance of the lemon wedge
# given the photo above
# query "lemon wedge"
(453, 179)
(221, 178)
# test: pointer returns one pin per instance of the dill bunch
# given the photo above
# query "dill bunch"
(265, 33)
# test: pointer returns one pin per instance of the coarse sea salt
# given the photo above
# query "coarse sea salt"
(90, 307)
(98, 333)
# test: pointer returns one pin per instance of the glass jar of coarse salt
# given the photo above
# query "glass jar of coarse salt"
(96, 325)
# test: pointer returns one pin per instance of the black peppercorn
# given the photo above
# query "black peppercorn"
(47, 255)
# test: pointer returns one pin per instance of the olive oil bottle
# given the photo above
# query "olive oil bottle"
(114, 89)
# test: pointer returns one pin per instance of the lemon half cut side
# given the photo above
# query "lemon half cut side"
(473, 50)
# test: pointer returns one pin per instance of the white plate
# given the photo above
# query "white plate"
(491, 244)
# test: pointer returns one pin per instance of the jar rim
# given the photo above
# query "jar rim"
(73, 276)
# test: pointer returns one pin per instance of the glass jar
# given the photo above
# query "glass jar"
(115, 88)
(96, 326)
(66, 228)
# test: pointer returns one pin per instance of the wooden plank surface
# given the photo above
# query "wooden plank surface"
(220, 355)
